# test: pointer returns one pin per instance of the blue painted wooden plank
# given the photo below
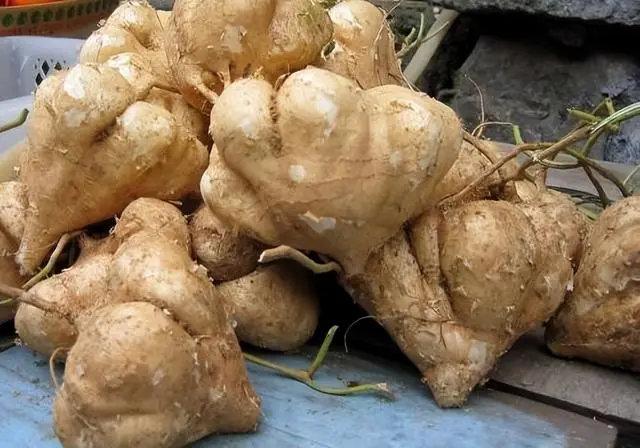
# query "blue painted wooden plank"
(296, 416)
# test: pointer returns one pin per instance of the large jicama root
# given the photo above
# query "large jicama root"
(363, 46)
(465, 283)
(600, 321)
(13, 204)
(273, 306)
(93, 147)
(133, 27)
(83, 287)
(211, 43)
(155, 363)
(468, 279)
(322, 165)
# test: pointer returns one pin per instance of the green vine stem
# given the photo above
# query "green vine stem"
(306, 376)
(631, 175)
(18, 121)
(44, 272)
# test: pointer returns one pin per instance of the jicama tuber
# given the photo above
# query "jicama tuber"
(13, 204)
(363, 46)
(273, 306)
(600, 321)
(211, 43)
(134, 69)
(225, 253)
(465, 283)
(133, 27)
(93, 147)
(155, 362)
(323, 165)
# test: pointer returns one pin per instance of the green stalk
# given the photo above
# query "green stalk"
(306, 376)
(18, 121)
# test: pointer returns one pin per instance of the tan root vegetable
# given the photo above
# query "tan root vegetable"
(134, 69)
(191, 119)
(363, 46)
(134, 27)
(273, 306)
(600, 321)
(465, 284)
(79, 288)
(93, 147)
(155, 363)
(13, 203)
(331, 168)
(211, 43)
(474, 158)
(225, 253)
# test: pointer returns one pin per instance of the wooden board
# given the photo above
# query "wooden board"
(296, 416)
(529, 367)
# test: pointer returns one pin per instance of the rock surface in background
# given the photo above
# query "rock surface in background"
(621, 12)
(531, 84)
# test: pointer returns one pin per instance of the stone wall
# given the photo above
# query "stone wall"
(531, 65)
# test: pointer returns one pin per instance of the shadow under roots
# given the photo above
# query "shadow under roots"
(365, 335)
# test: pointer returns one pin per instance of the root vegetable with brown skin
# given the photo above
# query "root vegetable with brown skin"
(134, 68)
(133, 27)
(93, 147)
(468, 279)
(211, 43)
(273, 306)
(13, 203)
(465, 283)
(155, 363)
(330, 167)
(363, 47)
(225, 253)
(600, 321)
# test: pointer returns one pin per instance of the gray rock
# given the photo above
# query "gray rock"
(162, 5)
(621, 12)
(531, 85)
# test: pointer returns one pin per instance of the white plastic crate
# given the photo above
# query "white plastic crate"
(25, 62)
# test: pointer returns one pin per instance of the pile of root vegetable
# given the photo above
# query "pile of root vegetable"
(243, 147)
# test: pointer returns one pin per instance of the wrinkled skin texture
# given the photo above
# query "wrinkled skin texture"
(467, 279)
(463, 285)
(78, 287)
(360, 50)
(275, 307)
(133, 27)
(211, 43)
(13, 204)
(155, 362)
(600, 321)
(186, 115)
(135, 69)
(226, 254)
(333, 168)
(93, 147)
